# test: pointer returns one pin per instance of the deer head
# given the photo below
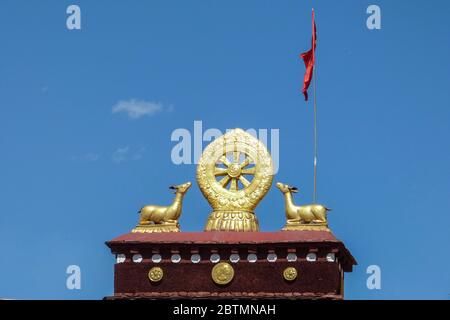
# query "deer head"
(284, 188)
(181, 188)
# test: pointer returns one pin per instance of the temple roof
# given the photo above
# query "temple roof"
(295, 238)
(223, 237)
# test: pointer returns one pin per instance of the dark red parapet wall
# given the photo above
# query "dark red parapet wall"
(319, 258)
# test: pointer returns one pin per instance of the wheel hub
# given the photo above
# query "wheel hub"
(234, 170)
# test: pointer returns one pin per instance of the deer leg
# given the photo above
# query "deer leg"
(318, 218)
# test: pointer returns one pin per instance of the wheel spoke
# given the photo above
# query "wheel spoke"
(250, 171)
(244, 181)
(234, 184)
(234, 171)
(224, 182)
(223, 159)
(220, 171)
(246, 162)
(236, 156)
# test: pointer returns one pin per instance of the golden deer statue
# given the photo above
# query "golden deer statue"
(163, 218)
(309, 217)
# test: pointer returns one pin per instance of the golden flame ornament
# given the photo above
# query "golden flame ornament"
(234, 173)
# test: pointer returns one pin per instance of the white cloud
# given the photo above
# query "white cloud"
(125, 154)
(121, 154)
(138, 155)
(138, 108)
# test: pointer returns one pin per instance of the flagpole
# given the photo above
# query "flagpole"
(310, 64)
(315, 124)
(315, 136)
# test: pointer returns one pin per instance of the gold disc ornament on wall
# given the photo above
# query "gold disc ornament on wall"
(222, 273)
(234, 173)
(290, 274)
(155, 274)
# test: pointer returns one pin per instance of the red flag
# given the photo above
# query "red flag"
(308, 58)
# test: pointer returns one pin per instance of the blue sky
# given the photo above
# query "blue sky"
(73, 172)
